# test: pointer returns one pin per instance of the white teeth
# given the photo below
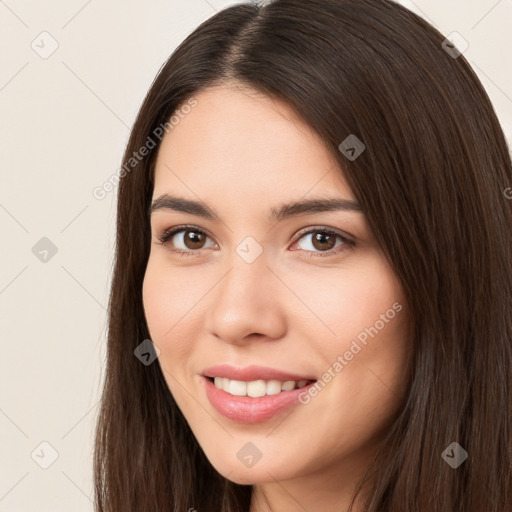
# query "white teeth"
(288, 385)
(238, 388)
(273, 387)
(256, 388)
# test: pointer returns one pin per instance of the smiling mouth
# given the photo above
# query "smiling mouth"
(257, 388)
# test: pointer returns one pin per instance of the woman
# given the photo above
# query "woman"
(312, 294)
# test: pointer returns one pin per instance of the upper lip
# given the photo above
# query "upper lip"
(252, 373)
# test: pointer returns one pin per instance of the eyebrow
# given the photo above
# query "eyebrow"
(275, 214)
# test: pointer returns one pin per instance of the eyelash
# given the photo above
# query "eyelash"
(167, 234)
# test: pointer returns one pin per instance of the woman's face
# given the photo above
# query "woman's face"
(247, 289)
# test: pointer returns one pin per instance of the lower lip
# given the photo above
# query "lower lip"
(245, 409)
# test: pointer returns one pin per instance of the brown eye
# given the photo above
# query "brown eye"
(193, 239)
(184, 239)
(323, 242)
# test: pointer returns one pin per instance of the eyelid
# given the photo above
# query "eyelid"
(345, 236)
(168, 233)
(348, 240)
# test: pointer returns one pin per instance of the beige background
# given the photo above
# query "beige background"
(65, 120)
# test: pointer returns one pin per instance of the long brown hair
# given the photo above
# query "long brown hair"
(431, 182)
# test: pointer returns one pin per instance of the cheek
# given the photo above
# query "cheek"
(349, 301)
(364, 322)
(169, 318)
(155, 297)
(168, 309)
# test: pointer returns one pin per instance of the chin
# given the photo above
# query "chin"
(246, 476)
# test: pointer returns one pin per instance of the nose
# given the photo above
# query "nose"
(247, 302)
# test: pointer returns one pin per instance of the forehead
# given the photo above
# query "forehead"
(242, 146)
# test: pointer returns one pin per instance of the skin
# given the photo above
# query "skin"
(293, 308)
